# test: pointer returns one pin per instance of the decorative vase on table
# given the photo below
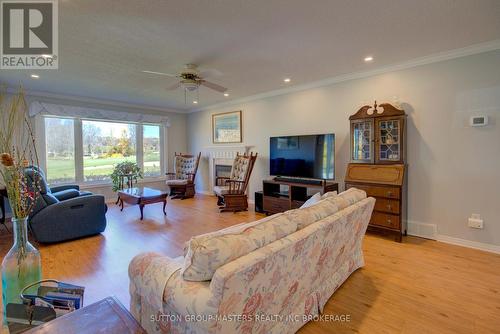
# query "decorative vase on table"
(18, 156)
(21, 266)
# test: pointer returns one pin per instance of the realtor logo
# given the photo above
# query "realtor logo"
(29, 32)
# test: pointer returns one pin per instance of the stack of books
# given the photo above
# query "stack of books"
(51, 301)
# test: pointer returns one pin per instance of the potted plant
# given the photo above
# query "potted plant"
(22, 264)
(127, 169)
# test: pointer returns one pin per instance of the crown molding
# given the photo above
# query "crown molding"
(85, 99)
(434, 58)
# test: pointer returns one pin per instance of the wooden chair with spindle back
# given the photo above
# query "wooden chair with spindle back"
(231, 191)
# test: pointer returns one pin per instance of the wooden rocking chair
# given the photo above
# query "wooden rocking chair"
(181, 181)
(231, 191)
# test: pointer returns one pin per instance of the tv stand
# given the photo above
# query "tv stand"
(281, 194)
(298, 180)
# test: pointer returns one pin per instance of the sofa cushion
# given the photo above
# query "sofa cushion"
(329, 194)
(85, 193)
(66, 194)
(221, 190)
(176, 182)
(311, 201)
(207, 252)
(353, 195)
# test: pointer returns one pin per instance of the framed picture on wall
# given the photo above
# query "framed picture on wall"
(226, 127)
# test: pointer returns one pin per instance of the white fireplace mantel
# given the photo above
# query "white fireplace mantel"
(222, 155)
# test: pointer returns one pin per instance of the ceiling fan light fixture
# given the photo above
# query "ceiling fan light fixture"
(190, 86)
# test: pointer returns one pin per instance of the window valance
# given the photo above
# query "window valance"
(38, 107)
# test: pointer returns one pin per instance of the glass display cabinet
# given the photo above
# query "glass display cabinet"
(378, 139)
(377, 134)
(362, 141)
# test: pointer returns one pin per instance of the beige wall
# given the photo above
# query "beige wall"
(454, 170)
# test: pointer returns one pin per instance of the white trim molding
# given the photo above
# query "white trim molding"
(429, 231)
(434, 58)
(86, 100)
(469, 243)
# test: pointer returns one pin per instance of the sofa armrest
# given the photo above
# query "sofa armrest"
(64, 187)
(149, 274)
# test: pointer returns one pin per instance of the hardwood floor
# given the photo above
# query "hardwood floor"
(419, 286)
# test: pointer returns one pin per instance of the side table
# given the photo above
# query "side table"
(105, 316)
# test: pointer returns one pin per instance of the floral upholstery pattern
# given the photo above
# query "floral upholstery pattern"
(269, 282)
(210, 251)
(184, 166)
(329, 194)
(149, 273)
(352, 195)
(240, 167)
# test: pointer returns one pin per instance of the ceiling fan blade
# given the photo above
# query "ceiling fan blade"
(213, 86)
(210, 73)
(160, 73)
(174, 87)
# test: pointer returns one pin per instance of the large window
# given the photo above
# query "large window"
(60, 148)
(106, 144)
(79, 150)
(151, 149)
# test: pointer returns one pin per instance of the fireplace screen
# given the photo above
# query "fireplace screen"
(222, 171)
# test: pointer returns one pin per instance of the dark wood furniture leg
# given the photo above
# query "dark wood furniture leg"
(141, 207)
(143, 196)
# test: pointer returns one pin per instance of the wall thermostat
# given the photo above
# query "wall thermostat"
(478, 121)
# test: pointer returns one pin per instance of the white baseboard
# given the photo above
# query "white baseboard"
(468, 243)
(205, 192)
(429, 231)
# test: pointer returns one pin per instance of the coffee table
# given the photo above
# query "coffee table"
(105, 316)
(142, 196)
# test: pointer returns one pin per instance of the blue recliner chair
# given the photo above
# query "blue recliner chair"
(64, 212)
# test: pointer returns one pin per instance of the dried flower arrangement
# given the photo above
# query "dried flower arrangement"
(17, 151)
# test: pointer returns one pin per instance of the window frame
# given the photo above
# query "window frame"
(78, 143)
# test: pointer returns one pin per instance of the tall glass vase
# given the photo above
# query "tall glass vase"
(21, 266)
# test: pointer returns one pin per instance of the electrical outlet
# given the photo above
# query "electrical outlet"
(475, 221)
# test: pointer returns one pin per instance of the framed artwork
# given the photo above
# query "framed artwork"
(226, 127)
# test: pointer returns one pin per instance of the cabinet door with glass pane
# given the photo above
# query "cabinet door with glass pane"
(389, 140)
(362, 141)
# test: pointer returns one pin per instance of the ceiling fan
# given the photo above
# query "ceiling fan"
(191, 79)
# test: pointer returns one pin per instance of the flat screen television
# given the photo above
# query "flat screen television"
(307, 156)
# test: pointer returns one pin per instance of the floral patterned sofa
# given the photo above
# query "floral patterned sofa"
(268, 276)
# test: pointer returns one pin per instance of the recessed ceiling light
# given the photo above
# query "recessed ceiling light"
(35, 76)
(195, 102)
(226, 94)
(368, 59)
(287, 80)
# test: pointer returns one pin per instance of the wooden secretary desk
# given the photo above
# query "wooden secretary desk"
(378, 154)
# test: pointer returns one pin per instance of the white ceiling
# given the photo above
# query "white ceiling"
(104, 45)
